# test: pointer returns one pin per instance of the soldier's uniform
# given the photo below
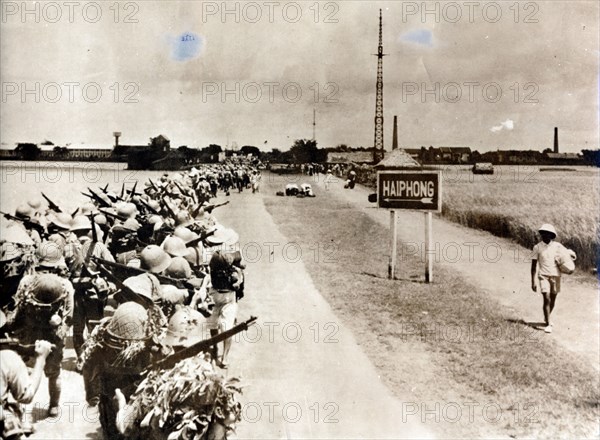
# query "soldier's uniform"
(43, 311)
(114, 357)
(91, 292)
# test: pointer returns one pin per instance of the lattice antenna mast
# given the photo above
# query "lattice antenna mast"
(378, 144)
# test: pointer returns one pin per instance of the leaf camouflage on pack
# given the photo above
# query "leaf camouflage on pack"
(184, 401)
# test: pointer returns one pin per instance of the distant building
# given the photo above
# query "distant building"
(8, 154)
(441, 154)
(565, 157)
(358, 157)
(89, 153)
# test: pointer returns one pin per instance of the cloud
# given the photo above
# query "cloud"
(509, 124)
(422, 37)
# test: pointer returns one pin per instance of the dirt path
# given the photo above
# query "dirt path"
(305, 375)
(304, 363)
(498, 267)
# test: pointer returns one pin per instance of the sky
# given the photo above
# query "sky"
(485, 75)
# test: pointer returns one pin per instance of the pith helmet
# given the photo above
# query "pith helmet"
(154, 259)
(183, 218)
(87, 208)
(141, 284)
(129, 322)
(185, 234)
(24, 211)
(81, 223)
(546, 227)
(126, 210)
(49, 254)
(185, 328)
(179, 268)
(223, 235)
(16, 234)
(61, 219)
(131, 224)
(196, 255)
(48, 289)
(174, 246)
(36, 204)
(154, 204)
(100, 219)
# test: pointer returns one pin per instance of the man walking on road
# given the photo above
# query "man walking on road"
(544, 255)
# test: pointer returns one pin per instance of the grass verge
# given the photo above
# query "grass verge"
(457, 360)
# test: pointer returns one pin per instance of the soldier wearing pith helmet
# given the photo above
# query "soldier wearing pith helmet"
(44, 309)
(114, 356)
(91, 291)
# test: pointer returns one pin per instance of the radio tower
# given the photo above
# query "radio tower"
(378, 146)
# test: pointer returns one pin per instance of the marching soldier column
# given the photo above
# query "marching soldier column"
(146, 283)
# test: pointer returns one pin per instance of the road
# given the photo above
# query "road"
(305, 375)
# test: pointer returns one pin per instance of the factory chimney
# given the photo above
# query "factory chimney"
(556, 139)
(395, 134)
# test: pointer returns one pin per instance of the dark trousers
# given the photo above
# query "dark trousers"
(88, 307)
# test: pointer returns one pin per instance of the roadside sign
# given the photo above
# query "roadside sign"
(416, 190)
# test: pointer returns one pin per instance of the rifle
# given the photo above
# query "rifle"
(153, 184)
(132, 192)
(15, 345)
(111, 215)
(26, 222)
(53, 206)
(183, 191)
(128, 294)
(112, 198)
(209, 208)
(94, 232)
(203, 236)
(168, 208)
(103, 203)
(147, 205)
(202, 346)
(179, 283)
(122, 190)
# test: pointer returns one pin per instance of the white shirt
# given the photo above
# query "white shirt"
(546, 255)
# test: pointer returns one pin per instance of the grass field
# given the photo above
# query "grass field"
(444, 345)
(517, 200)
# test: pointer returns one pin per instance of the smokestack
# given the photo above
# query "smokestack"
(395, 135)
(556, 139)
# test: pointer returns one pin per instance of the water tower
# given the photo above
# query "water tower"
(117, 135)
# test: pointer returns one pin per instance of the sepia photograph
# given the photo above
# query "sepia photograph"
(311, 219)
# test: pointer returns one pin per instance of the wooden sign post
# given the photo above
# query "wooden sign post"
(413, 190)
(393, 244)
